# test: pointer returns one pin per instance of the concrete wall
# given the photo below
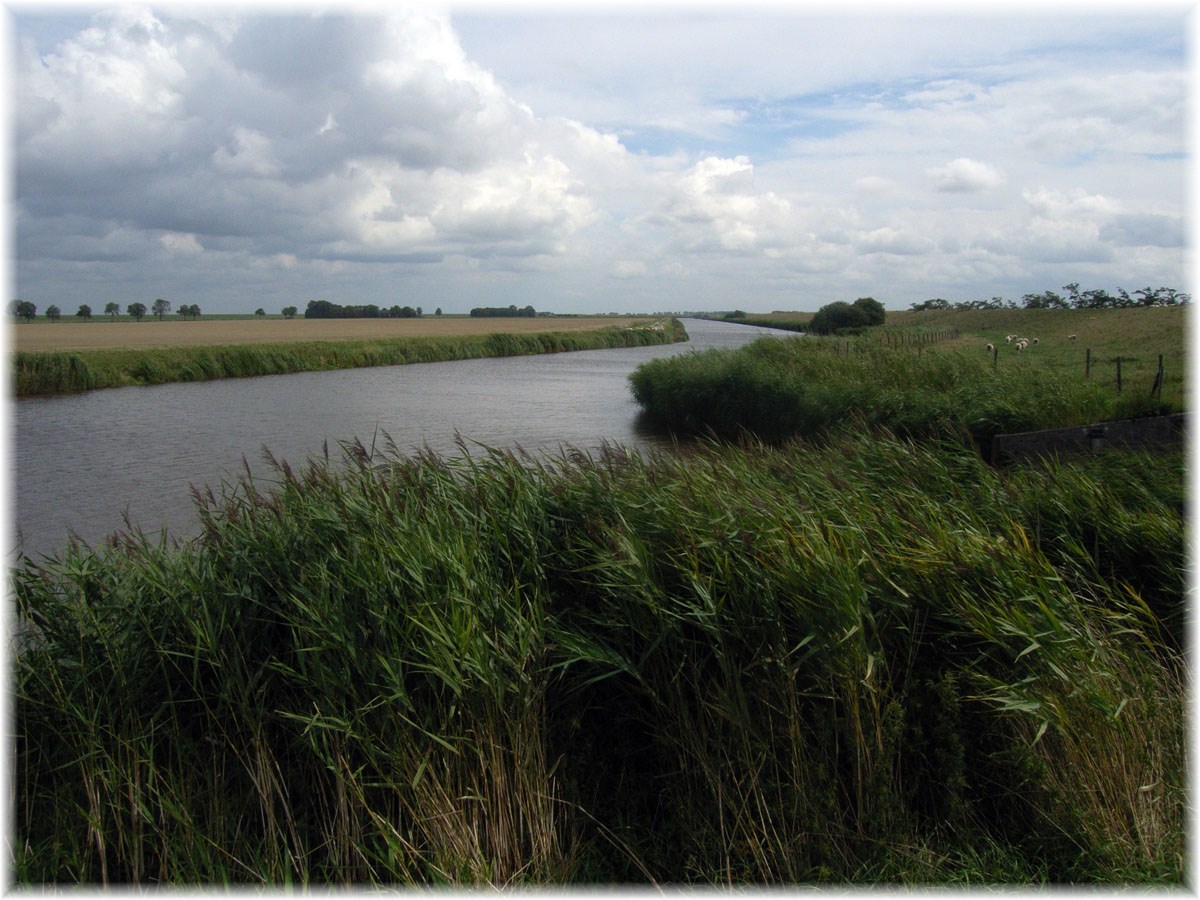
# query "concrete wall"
(1144, 433)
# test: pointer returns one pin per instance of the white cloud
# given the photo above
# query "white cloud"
(353, 152)
(427, 158)
(1076, 203)
(181, 243)
(895, 241)
(966, 176)
(874, 184)
(714, 206)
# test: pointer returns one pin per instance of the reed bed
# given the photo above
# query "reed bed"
(39, 373)
(776, 389)
(865, 661)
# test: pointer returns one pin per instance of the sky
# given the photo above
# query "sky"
(595, 159)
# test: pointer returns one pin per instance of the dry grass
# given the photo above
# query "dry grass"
(98, 335)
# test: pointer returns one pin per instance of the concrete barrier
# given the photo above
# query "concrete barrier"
(1147, 433)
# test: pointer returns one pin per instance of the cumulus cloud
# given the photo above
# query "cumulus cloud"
(1076, 204)
(714, 206)
(966, 176)
(280, 151)
(388, 144)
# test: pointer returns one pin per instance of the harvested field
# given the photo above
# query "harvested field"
(49, 336)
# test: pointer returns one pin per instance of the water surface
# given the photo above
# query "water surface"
(85, 461)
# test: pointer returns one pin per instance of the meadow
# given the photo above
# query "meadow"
(859, 657)
(102, 354)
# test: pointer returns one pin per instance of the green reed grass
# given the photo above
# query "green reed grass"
(37, 373)
(780, 388)
(873, 660)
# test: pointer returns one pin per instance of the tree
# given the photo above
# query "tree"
(289, 312)
(53, 313)
(935, 303)
(872, 309)
(840, 316)
(160, 308)
(137, 310)
(438, 311)
(85, 312)
(112, 309)
(25, 310)
(260, 312)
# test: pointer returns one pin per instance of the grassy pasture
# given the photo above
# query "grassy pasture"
(1135, 335)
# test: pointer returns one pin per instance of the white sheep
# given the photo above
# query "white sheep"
(1021, 345)
(1072, 337)
(991, 348)
(1010, 338)
(1035, 340)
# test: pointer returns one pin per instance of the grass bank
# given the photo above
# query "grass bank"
(933, 376)
(869, 661)
(40, 373)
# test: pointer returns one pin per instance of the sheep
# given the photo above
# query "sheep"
(1010, 338)
(1072, 337)
(1022, 344)
(991, 348)
(1034, 341)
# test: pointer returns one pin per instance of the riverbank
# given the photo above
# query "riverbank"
(936, 373)
(39, 373)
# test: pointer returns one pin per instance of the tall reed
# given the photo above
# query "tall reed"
(869, 660)
(780, 388)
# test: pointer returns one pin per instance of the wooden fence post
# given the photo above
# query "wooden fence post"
(1118, 374)
(1087, 364)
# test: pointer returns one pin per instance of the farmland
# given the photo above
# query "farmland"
(108, 335)
(194, 351)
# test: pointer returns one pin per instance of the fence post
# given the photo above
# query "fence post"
(995, 356)
(1118, 374)
(1156, 388)
(1087, 364)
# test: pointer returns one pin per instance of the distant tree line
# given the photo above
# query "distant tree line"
(501, 311)
(1074, 299)
(23, 309)
(323, 309)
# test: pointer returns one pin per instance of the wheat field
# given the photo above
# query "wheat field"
(102, 335)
